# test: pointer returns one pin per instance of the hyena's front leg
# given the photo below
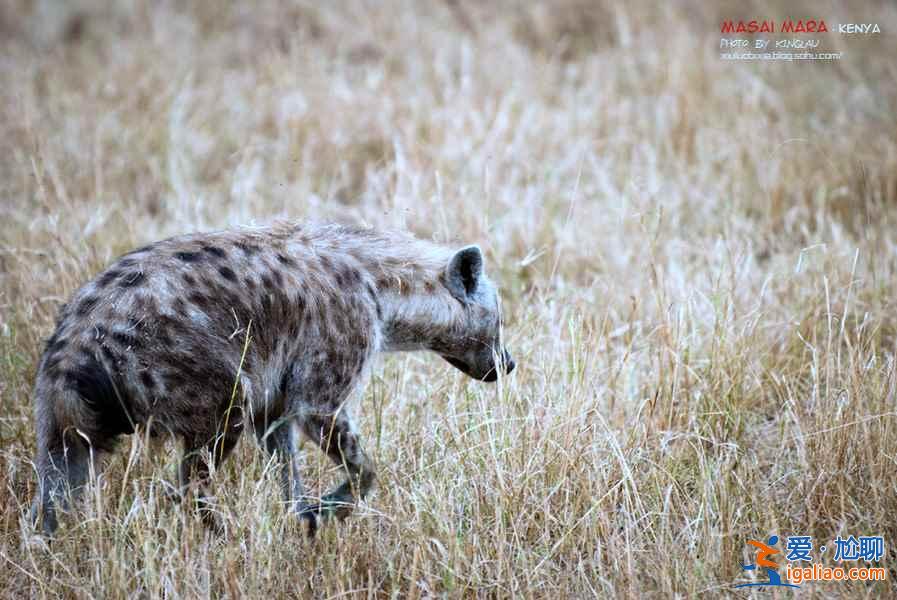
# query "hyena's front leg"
(280, 440)
(336, 436)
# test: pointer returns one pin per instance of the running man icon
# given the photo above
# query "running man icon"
(763, 552)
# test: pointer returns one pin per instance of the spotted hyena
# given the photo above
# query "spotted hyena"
(204, 335)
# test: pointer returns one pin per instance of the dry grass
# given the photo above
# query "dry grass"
(697, 257)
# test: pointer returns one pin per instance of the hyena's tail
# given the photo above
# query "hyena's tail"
(63, 455)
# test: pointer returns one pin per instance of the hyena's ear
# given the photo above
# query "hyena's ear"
(462, 276)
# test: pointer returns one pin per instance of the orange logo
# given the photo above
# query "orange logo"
(762, 552)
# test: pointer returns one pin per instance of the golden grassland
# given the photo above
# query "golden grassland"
(697, 260)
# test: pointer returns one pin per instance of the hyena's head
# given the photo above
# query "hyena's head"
(473, 343)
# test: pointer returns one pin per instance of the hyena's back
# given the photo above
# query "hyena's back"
(159, 336)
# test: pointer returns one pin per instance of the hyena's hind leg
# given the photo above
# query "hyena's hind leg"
(336, 436)
(78, 416)
(194, 471)
(63, 467)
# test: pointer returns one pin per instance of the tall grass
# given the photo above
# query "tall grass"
(697, 259)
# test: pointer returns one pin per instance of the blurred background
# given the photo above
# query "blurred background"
(696, 257)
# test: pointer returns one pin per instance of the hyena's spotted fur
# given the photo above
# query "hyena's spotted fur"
(203, 335)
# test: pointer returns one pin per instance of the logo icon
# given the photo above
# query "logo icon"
(761, 560)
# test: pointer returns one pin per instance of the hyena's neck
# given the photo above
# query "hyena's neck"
(416, 308)
(417, 321)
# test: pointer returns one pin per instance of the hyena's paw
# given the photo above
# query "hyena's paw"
(210, 518)
(205, 509)
(329, 508)
(42, 521)
(171, 495)
(200, 505)
(310, 518)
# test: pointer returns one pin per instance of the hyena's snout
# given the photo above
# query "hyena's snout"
(484, 366)
(505, 363)
(508, 361)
